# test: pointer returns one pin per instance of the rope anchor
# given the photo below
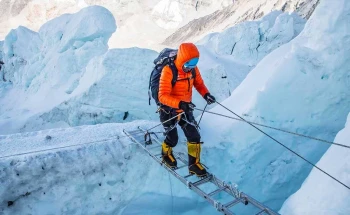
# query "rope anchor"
(148, 138)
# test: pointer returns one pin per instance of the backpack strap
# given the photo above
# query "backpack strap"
(175, 72)
(149, 88)
(193, 73)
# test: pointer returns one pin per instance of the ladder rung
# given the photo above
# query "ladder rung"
(187, 176)
(216, 191)
(134, 131)
(261, 212)
(220, 185)
(232, 203)
(181, 158)
(202, 181)
(182, 166)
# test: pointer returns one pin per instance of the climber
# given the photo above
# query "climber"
(177, 99)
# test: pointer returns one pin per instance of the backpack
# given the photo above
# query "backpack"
(166, 57)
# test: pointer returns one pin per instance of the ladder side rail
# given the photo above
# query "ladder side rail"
(240, 196)
(228, 189)
(190, 185)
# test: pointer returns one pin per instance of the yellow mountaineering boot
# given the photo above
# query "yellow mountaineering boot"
(168, 157)
(194, 165)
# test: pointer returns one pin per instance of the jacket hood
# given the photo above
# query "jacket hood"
(186, 52)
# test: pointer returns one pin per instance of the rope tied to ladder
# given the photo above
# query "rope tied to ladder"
(148, 138)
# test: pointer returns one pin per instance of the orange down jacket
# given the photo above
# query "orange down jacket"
(182, 91)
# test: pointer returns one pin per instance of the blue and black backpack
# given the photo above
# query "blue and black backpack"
(166, 57)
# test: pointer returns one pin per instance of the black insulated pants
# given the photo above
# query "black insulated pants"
(190, 129)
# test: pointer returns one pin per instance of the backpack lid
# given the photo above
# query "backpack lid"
(165, 54)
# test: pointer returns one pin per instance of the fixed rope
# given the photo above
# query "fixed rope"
(202, 114)
(286, 147)
(117, 137)
(165, 121)
(278, 129)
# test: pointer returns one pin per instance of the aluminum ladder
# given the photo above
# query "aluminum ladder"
(238, 197)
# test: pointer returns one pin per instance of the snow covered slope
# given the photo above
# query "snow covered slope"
(302, 86)
(320, 194)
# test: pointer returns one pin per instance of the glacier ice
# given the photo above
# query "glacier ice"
(47, 71)
(17, 51)
(303, 86)
(320, 194)
(119, 86)
(227, 57)
(71, 77)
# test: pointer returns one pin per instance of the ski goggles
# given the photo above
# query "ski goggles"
(191, 63)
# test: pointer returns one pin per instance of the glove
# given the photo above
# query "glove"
(186, 106)
(209, 98)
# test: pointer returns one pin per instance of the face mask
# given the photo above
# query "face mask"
(191, 64)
